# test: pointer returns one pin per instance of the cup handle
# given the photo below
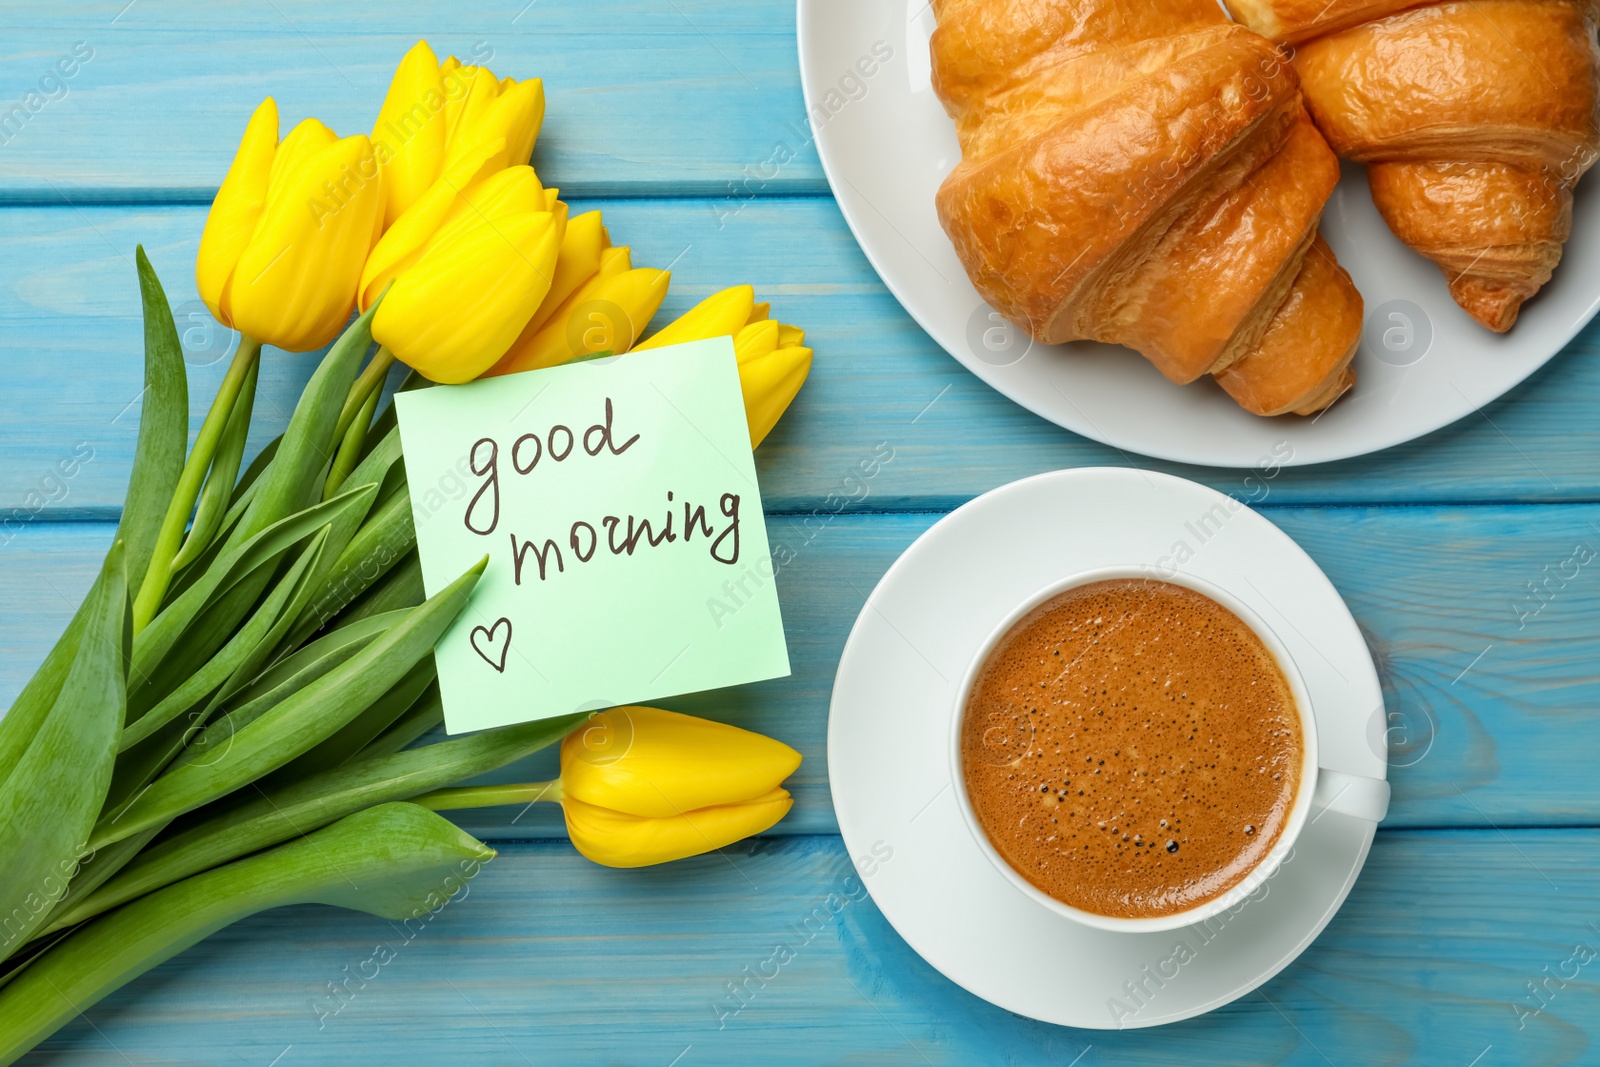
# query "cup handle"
(1351, 794)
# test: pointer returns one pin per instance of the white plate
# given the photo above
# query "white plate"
(893, 707)
(886, 144)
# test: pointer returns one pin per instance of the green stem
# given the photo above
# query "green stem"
(156, 579)
(370, 383)
(218, 491)
(349, 454)
(490, 796)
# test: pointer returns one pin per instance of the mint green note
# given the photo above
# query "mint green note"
(617, 502)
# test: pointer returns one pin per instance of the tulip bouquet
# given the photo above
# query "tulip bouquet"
(234, 718)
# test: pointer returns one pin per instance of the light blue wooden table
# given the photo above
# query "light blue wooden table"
(1481, 885)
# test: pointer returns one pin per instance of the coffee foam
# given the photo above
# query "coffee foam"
(1132, 748)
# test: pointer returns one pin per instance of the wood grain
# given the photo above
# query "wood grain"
(69, 318)
(670, 117)
(1490, 692)
(550, 960)
(687, 97)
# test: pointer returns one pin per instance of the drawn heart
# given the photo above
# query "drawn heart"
(493, 649)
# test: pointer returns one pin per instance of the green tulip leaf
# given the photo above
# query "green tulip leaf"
(305, 665)
(236, 654)
(396, 861)
(221, 759)
(423, 716)
(401, 587)
(252, 474)
(277, 815)
(96, 869)
(139, 765)
(361, 730)
(49, 803)
(22, 722)
(163, 427)
(294, 478)
(157, 640)
(380, 459)
(384, 540)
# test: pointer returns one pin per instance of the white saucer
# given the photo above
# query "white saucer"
(886, 143)
(894, 701)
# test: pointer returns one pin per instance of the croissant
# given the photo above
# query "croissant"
(1143, 172)
(1475, 119)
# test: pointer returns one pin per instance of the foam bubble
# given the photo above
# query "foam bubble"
(1122, 738)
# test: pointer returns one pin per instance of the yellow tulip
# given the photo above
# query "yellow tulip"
(719, 315)
(410, 132)
(586, 239)
(642, 785)
(465, 268)
(482, 108)
(606, 314)
(616, 839)
(289, 231)
(770, 383)
(404, 240)
(535, 338)
(513, 191)
(647, 761)
(436, 114)
(773, 359)
(758, 339)
(554, 204)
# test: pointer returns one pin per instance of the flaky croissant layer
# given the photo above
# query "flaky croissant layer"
(1476, 119)
(1143, 172)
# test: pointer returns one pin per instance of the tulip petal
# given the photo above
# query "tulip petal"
(605, 316)
(756, 340)
(468, 98)
(513, 110)
(517, 116)
(769, 384)
(457, 79)
(236, 209)
(404, 241)
(457, 309)
(409, 136)
(719, 315)
(578, 261)
(512, 191)
(535, 339)
(655, 763)
(617, 839)
(304, 141)
(295, 284)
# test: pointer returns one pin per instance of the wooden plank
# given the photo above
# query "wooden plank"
(70, 342)
(550, 960)
(643, 98)
(1490, 689)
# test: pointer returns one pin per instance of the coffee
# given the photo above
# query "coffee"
(1132, 748)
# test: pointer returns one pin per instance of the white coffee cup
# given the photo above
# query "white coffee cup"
(1320, 789)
